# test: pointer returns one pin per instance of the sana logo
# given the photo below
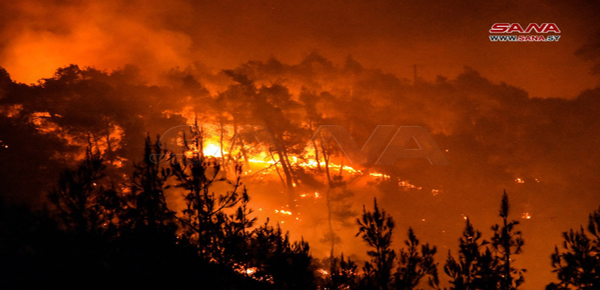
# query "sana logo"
(516, 27)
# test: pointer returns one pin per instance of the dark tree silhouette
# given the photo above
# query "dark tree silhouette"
(133, 237)
(376, 229)
(414, 264)
(80, 200)
(217, 224)
(28, 169)
(148, 183)
(506, 243)
(271, 106)
(285, 264)
(485, 265)
(577, 265)
(474, 269)
(205, 220)
(343, 274)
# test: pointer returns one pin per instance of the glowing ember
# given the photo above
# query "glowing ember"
(119, 162)
(406, 185)
(375, 174)
(323, 272)
(526, 216)
(250, 271)
(283, 212)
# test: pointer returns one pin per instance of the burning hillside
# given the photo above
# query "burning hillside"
(203, 127)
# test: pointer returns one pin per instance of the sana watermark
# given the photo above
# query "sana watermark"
(385, 146)
(504, 32)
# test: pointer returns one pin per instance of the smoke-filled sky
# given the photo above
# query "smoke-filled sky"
(439, 37)
(491, 133)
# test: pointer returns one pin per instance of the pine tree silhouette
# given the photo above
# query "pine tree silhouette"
(343, 274)
(204, 218)
(147, 203)
(79, 198)
(506, 243)
(217, 224)
(472, 269)
(376, 229)
(133, 238)
(577, 266)
(287, 265)
(414, 264)
(485, 265)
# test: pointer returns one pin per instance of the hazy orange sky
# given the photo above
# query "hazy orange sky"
(440, 37)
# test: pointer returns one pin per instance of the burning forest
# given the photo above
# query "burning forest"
(146, 151)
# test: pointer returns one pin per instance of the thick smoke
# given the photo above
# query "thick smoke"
(39, 36)
(478, 99)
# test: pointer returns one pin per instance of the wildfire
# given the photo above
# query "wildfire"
(376, 174)
(212, 150)
(250, 271)
(119, 162)
(286, 212)
(265, 165)
(323, 272)
(316, 195)
(407, 185)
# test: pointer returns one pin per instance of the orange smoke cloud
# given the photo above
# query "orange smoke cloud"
(38, 37)
(94, 34)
